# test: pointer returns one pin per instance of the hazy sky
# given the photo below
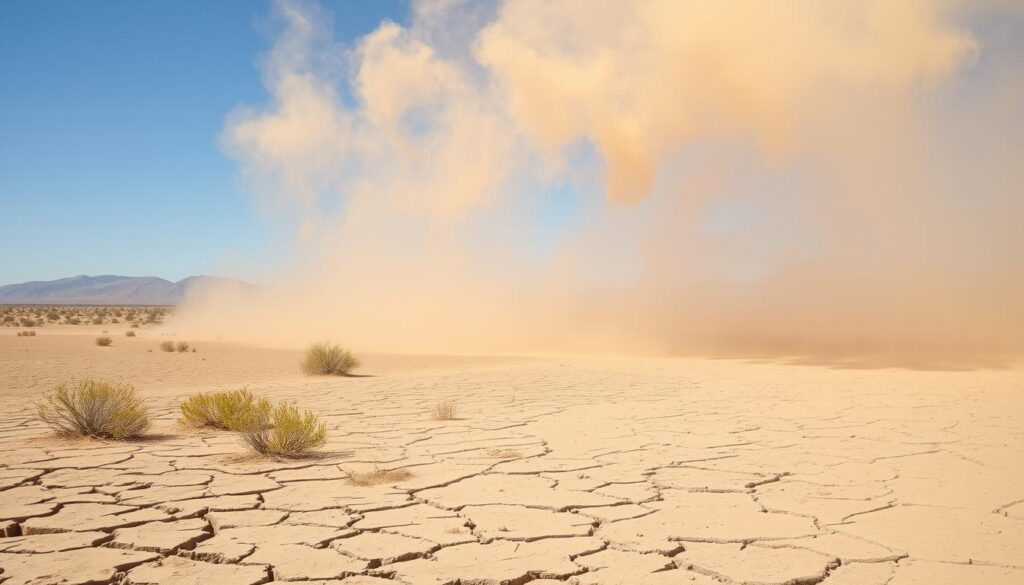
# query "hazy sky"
(110, 120)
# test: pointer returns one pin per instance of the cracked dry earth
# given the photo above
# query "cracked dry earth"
(581, 471)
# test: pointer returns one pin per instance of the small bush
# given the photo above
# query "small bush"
(379, 476)
(135, 325)
(167, 346)
(288, 434)
(129, 334)
(26, 333)
(104, 341)
(95, 409)
(182, 346)
(503, 453)
(52, 316)
(444, 410)
(97, 321)
(73, 321)
(28, 322)
(327, 359)
(233, 410)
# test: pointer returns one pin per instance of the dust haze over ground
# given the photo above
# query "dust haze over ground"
(835, 180)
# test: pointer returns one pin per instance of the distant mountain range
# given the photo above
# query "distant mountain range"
(111, 290)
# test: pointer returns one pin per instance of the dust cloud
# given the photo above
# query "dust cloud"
(837, 180)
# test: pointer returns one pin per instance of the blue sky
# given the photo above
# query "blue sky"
(110, 112)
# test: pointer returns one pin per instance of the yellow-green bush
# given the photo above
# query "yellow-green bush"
(231, 410)
(327, 359)
(96, 409)
(289, 433)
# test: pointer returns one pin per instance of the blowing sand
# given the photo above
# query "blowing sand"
(611, 471)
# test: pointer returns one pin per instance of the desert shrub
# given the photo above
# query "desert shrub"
(73, 321)
(167, 346)
(25, 322)
(289, 433)
(444, 410)
(115, 320)
(503, 453)
(326, 359)
(53, 316)
(181, 346)
(379, 476)
(104, 341)
(135, 325)
(95, 409)
(231, 410)
(8, 318)
(97, 321)
(129, 334)
(29, 333)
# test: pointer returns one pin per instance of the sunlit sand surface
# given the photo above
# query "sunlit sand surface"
(611, 471)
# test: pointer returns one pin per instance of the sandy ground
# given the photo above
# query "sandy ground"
(612, 471)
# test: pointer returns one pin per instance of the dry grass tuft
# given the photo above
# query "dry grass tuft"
(503, 453)
(181, 346)
(444, 410)
(26, 333)
(232, 410)
(289, 433)
(379, 476)
(104, 341)
(167, 346)
(326, 359)
(94, 409)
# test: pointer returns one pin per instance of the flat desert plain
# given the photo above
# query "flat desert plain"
(554, 470)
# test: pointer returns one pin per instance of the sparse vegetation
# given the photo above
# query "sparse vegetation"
(290, 433)
(181, 346)
(29, 333)
(379, 476)
(94, 409)
(327, 359)
(232, 410)
(503, 453)
(28, 322)
(97, 321)
(104, 341)
(129, 334)
(444, 410)
(167, 346)
(73, 321)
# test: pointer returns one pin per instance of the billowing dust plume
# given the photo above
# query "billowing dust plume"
(819, 178)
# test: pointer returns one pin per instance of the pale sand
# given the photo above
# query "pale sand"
(615, 471)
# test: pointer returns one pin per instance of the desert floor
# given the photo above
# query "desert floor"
(579, 470)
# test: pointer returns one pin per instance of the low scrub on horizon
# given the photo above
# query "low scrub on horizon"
(93, 408)
(328, 359)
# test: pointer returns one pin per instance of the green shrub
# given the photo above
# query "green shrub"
(181, 346)
(167, 346)
(231, 410)
(95, 409)
(104, 341)
(327, 359)
(288, 434)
